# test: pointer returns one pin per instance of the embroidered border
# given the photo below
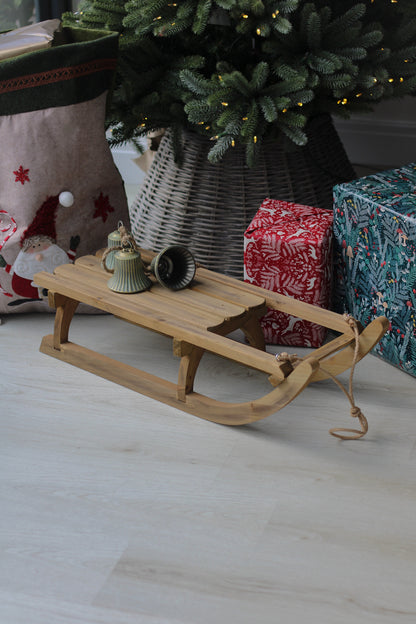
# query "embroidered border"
(57, 75)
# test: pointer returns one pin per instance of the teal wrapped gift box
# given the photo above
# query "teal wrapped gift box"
(374, 257)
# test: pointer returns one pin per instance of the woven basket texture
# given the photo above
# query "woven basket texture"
(207, 207)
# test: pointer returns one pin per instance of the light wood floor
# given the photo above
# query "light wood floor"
(116, 509)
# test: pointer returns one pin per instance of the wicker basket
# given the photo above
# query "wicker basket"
(207, 207)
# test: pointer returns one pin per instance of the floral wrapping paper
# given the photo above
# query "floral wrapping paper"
(375, 252)
(288, 249)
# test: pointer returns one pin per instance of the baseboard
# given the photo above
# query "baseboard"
(381, 142)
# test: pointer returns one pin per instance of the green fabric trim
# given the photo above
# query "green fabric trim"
(78, 67)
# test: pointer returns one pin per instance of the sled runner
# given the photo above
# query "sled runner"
(198, 319)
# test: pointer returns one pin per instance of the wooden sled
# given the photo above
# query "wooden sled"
(198, 319)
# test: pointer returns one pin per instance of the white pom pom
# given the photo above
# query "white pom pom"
(66, 199)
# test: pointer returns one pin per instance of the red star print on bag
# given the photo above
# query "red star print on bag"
(103, 207)
(21, 175)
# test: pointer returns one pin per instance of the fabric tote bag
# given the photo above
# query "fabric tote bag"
(60, 191)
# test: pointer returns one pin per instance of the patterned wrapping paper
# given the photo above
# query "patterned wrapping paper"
(375, 253)
(288, 249)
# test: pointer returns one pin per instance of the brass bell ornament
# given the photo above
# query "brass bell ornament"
(128, 271)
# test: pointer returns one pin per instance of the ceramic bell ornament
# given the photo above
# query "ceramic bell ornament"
(128, 271)
(174, 267)
(113, 240)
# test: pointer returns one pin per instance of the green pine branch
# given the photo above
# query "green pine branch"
(244, 69)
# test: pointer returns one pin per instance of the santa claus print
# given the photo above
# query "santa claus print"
(39, 252)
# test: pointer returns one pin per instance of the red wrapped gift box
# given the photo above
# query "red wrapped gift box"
(288, 249)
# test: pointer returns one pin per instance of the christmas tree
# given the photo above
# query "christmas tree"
(238, 71)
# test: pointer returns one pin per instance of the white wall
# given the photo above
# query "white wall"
(386, 137)
(124, 160)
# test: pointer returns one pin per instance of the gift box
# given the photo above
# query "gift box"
(288, 249)
(375, 272)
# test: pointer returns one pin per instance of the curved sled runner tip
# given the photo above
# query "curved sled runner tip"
(343, 359)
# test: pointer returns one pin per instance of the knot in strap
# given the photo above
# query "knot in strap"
(355, 412)
(126, 238)
(287, 357)
(350, 320)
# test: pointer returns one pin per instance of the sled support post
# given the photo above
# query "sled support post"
(65, 310)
